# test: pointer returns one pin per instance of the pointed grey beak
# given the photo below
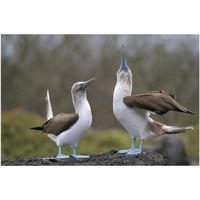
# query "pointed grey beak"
(124, 66)
(85, 84)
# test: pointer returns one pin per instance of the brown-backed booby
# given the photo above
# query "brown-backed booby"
(68, 129)
(133, 111)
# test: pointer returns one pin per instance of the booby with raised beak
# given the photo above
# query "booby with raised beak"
(65, 128)
(133, 111)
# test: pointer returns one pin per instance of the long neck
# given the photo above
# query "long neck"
(122, 89)
(80, 103)
(120, 92)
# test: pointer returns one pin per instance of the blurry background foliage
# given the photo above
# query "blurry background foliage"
(32, 63)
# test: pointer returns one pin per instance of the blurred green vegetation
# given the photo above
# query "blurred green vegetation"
(18, 141)
(191, 142)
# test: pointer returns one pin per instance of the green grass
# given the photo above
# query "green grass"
(18, 141)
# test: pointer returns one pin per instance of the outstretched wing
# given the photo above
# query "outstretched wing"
(158, 102)
(60, 123)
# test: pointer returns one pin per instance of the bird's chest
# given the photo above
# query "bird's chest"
(78, 130)
(84, 121)
(134, 120)
(120, 110)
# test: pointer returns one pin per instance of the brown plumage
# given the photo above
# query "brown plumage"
(158, 102)
(161, 129)
(59, 123)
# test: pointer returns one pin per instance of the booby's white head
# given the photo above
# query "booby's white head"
(124, 76)
(78, 92)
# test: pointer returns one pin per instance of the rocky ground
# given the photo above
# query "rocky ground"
(147, 157)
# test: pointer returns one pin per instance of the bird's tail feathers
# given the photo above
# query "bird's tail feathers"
(190, 112)
(52, 137)
(175, 129)
(37, 128)
(49, 111)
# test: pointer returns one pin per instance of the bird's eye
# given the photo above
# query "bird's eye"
(80, 87)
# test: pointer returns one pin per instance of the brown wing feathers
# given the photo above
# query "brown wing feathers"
(159, 102)
(59, 123)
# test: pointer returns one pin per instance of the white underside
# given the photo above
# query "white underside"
(77, 131)
(134, 120)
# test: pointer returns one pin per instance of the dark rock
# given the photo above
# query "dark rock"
(147, 157)
(172, 148)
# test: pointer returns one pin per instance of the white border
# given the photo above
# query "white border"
(118, 17)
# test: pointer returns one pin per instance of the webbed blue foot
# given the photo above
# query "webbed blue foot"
(136, 151)
(78, 156)
(127, 150)
(124, 151)
(60, 155)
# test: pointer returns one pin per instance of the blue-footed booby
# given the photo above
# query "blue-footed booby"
(133, 111)
(69, 128)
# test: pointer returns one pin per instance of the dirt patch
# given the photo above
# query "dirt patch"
(103, 159)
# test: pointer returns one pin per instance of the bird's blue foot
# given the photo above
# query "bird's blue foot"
(78, 156)
(124, 151)
(127, 150)
(134, 151)
(60, 155)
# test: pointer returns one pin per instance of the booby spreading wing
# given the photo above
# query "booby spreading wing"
(158, 102)
(59, 123)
